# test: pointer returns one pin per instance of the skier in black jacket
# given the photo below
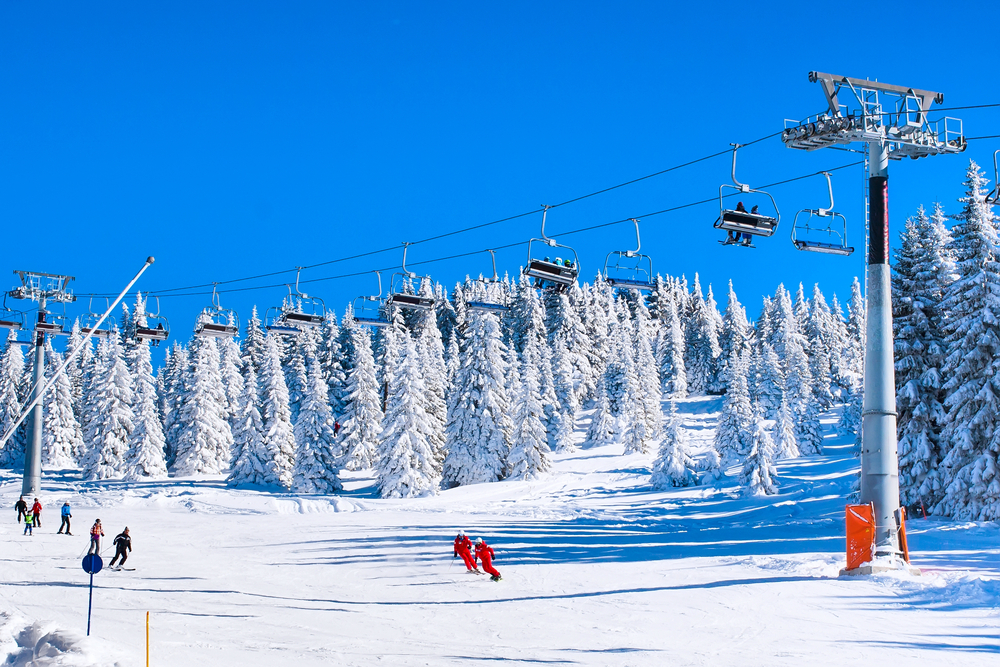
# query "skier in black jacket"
(21, 507)
(122, 542)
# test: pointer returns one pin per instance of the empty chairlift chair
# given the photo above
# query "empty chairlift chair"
(298, 311)
(88, 325)
(11, 319)
(489, 304)
(400, 296)
(741, 224)
(368, 309)
(216, 321)
(631, 269)
(821, 229)
(557, 274)
(156, 329)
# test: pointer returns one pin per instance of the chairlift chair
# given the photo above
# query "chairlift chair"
(275, 320)
(11, 319)
(300, 310)
(486, 305)
(398, 296)
(835, 227)
(216, 321)
(370, 315)
(55, 326)
(993, 198)
(90, 320)
(154, 334)
(740, 222)
(551, 274)
(637, 277)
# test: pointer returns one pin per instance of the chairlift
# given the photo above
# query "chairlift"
(398, 296)
(216, 321)
(741, 224)
(370, 315)
(557, 274)
(628, 276)
(56, 326)
(90, 320)
(833, 224)
(154, 334)
(993, 198)
(300, 310)
(11, 319)
(487, 306)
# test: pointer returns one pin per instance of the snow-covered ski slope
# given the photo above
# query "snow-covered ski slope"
(598, 570)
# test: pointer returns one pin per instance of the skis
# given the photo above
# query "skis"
(122, 569)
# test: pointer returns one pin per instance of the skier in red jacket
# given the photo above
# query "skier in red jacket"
(463, 548)
(485, 554)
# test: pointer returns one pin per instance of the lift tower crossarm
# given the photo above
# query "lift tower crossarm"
(832, 82)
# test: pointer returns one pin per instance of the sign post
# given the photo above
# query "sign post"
(92, 564)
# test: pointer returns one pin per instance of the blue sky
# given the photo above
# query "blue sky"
(233, 139)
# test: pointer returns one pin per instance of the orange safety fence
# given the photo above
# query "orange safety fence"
(860, 534)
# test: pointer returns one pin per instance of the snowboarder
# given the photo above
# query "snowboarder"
(36, 509)
(463, 548)
(122, 542)
(96, 533)
(22, 508)
(29, 521)
(66, 516)
(485, 554)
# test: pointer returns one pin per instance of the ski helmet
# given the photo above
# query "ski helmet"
(479, 540)
(461, 533)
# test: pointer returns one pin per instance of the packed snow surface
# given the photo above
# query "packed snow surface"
(598, 569)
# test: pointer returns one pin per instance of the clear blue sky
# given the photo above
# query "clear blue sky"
(237, 138)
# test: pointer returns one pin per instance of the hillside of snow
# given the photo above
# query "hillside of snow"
(598, 569)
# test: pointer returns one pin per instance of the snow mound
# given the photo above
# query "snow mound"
(41, 644)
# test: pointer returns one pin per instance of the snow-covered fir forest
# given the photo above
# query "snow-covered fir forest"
(451, 396)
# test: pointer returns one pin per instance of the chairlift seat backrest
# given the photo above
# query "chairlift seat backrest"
(16, 325)
(305, 319)
(827, 248)
(215, 330)
(412, 301)
(564, 275)
(50, 327)
(486, 307)
(96, 333)
(631, 283)
(747, 223)
(149, 333)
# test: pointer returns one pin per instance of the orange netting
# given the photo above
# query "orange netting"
(860, 534)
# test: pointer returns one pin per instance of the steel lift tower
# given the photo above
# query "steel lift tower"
(892, 121)
(41, 288)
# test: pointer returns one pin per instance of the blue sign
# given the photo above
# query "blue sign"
(92, 563)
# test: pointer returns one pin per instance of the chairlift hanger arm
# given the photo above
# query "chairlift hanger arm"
(823, 212)
(742, 187)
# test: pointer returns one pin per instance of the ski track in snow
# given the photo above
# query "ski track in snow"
(598, 570)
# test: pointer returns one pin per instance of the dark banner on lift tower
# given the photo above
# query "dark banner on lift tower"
(878, 220)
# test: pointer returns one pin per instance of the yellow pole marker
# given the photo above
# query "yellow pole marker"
(147, 639)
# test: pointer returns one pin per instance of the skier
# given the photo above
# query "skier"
(336, 427)
(755, 210)
(66, 516)
(36, 509)
(29, 521)
(22, 508)
(96, 533)
(122, 542)
(463, 548)
(740, 208)
(485, 554)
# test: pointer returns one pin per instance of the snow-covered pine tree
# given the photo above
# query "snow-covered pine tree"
(924, 269)
(713, 326)
(11, 372)
(603, 426)
(730, 439)
(318, 455)
(110, 419)
(673, 466)
(647, 372)
(74, 371)
(529, 454)
(819, 336)
(566, 406)
(972, 306)
(757, 476)
(769, 388)
(736, 331)
(841, 375)
(253, 341)
(175, 383)
(801, 309)
(786, 446)
(331, 357)
(673, 373)
(789, 344)
(430, 352)
(145, 457)
(702, 344)
(232, 380)
(62, 439)
(362, 420)
(300, 352)
(853, 359)
(249, 454)
(406, 464)
(204, 438)
(276, 416)
(479, 425)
